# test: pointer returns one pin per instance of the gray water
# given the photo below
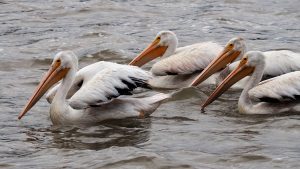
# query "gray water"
(177, 135)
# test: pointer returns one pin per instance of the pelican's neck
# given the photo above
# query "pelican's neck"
(253, 81)
(59, 104)
(65, 86)
(172, 46)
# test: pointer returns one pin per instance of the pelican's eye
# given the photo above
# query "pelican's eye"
(231, 45)
(245, 59)
(158, 38)
(57, 63)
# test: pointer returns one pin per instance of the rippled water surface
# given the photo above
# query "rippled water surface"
(177, 135)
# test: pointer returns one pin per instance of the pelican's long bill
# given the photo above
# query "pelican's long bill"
(228, 55)
(153, 51)
(54, 74)
(237, 74)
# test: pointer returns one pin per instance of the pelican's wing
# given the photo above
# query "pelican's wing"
(82, 77)
(187, 60)
(280, 88)
(109, 83)
(281, 62)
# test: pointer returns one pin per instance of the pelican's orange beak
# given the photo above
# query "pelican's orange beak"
(237, 74)
(227, 56)
(153, 51)
(54, 74)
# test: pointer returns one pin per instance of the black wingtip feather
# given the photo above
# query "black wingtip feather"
(130, 86)
(79, 84)
(171, 73)
(124, 91)
(269, 100)
(283, 99)
(140, 83)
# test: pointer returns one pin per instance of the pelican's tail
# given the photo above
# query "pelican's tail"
(150, 104)
(129, 106)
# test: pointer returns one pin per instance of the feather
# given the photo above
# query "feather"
(187, 60)
(110, 83)
(280, 88)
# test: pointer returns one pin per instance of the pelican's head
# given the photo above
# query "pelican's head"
(167, 38)
(67, 58)
(237, 44)
(164, 44)
(234, 49)
(246, 67)
(62, 63)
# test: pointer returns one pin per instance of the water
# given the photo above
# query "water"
(177, 135)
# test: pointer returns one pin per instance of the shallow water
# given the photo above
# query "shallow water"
(177, 135)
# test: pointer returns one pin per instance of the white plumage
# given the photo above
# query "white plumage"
(279, 88)
(181, 68)
(281, 62)
(105, 84)
(277, 63)
(178, 66)
(276, 95)
(179, 81)
(187, 60)
(82, 77)
(103, 97)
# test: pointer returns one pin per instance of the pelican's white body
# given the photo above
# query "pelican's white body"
(184, 62)
(187, 62)
(278, 88)
(97, 91)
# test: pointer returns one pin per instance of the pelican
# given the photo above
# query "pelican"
(276, 95)
(102, 98)
(178, 66)
(277, 62)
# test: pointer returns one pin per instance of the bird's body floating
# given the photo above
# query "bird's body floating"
(178, 66)
(276, 95)
(277, 63)
(104, 96)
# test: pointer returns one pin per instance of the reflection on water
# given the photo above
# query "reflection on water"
(177, 135)
(127, 132)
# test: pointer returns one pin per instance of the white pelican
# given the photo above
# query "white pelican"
(277, 95)
(99, 99)
(179, 66)
(277, 62)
